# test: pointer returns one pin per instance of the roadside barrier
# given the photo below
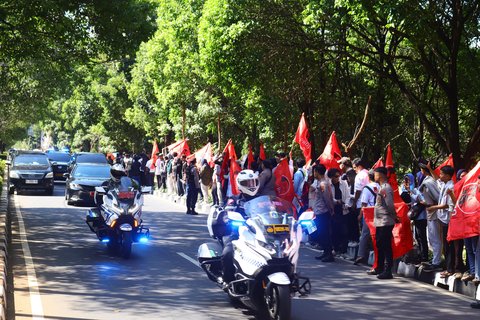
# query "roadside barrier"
(4, 244)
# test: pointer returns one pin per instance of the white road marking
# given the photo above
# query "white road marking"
(183, 255)
(35, 300)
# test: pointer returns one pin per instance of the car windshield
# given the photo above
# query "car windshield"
(31, 160)
(59, 156)
(94, 157)
(102, 172)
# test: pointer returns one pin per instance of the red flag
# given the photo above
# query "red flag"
(465, 220)
(284, 181)
(250, 158)
(301, 137)
(392, 176)
(234, 168)
(261, 154)
(378, 164)
(204, 153)
(226, 157)
(402, 241)
(448, 162)
(181, 147)
(332, 153)
(155, 150)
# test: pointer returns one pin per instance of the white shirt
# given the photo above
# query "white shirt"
(159, 167)
(361, 180)
(367, 196)
(445, 199)
(148, 165)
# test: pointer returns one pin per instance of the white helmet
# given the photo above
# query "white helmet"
(247, 182)
(117, 171)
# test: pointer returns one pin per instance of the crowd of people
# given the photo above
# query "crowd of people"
(337, 197)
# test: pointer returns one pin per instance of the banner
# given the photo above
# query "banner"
(301, 137)
(331, 154)
(155, 150)
(261, 154)
(402, 241)
(284, 181)
(465, 220)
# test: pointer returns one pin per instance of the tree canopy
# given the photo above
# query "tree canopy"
(119, 75)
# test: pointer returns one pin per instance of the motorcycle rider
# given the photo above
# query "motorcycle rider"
(248, 184)
(117, 171)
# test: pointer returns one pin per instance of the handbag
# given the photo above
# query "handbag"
(415, 211)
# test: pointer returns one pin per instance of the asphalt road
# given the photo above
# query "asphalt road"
(62, 272)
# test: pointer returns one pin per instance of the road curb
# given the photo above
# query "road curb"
(4, 246)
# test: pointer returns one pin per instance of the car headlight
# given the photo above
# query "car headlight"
(49, 175)
(75, 186)
(14, 175)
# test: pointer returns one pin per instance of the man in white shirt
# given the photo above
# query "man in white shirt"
(367, 199)
(161, 172)
(361, 180)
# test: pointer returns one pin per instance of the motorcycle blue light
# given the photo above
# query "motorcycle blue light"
(143, 240)
(237, 223)
(306, 223)
(106, 240)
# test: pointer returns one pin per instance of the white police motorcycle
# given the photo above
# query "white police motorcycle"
(265, 254)
(117, 220)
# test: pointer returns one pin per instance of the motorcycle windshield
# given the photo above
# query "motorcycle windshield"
(271, 213)
(125, 192)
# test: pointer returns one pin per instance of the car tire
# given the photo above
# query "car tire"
(49, 191)
(11, 190)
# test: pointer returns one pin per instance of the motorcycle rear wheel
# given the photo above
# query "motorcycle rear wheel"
(278, 302)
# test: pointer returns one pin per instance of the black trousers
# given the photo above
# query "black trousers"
(192, 196)
(339, 232)
(216, 201)
(384, 245)
(353, 228)
(421, 237)
(452, 251)
(324, 238)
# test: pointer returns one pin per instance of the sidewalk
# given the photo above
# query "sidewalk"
(400, 268)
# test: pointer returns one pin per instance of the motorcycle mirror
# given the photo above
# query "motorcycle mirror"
(100, 190)
(66, 175)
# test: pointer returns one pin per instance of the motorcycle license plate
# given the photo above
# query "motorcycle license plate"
(31, 181)
(278, 228)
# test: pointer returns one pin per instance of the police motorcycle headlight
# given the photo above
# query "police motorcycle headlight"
(134, 208)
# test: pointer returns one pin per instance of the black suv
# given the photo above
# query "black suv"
(31, 170)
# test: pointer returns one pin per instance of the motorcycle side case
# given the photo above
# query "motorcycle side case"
(210, 258)
(95, 220)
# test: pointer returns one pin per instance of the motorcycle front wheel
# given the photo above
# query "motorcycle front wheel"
(126, 248)
(278, 302)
